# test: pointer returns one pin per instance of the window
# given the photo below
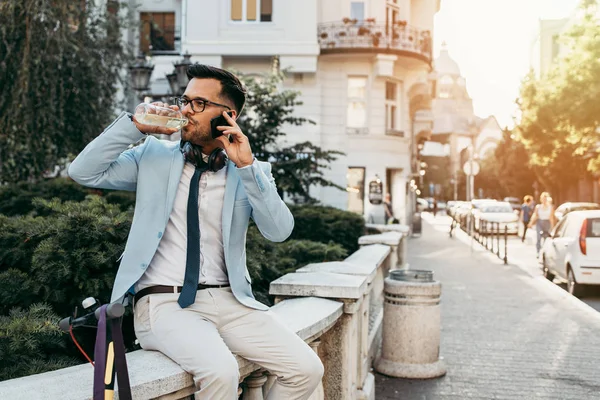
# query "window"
(252, 10)
(355, 187)
(357, 110)
(392, 15)
(357, 10)
(157, 32)
(391, 106)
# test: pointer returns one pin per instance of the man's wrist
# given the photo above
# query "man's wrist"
(246, 164)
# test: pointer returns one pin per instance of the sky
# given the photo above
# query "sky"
(493, 43)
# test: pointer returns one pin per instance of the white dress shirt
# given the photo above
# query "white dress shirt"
(168, 264)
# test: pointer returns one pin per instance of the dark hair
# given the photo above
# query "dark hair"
(231, 87)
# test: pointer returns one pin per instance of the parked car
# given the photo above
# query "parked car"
(497, 211)
(572, 252)
(566, 208)
(514, 202)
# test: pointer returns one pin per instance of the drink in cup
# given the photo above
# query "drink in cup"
(150, 114)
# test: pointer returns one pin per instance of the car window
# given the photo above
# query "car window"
(593, 227)
(496, 209)
(559, 229)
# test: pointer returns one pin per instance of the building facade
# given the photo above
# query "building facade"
(457, 133)
(362, 67)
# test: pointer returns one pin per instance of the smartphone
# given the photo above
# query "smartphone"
(219, 121)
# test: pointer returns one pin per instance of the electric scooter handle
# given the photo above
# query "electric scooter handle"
(114, 310)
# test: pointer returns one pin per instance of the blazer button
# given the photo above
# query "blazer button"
(144, 265)
(159, 235)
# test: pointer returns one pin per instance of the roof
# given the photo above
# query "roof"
(445, 65)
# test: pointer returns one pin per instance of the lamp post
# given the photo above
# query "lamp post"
(181, 73)
(141, 71)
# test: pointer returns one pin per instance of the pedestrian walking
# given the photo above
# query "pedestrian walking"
(389, 212)
(188, 273)
(435, 207)
(543, 219)
(526, 213)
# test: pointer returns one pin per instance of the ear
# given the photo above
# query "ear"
(233, 114)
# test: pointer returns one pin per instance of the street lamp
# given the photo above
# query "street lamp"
(181, 71)
(173, 84)
(141, 71)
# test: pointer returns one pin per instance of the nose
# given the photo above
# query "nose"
(187, 109)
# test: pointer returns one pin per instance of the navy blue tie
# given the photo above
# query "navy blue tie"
(192, 262)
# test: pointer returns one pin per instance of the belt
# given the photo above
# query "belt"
(169, 289)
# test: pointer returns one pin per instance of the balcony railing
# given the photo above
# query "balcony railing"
(341, 37)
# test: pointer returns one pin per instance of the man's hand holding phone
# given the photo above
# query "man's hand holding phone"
(238, 150)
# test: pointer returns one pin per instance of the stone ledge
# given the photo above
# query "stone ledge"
(389, 238)
(404, 229)
(153, 375)
(342, 267)
(374, 254)
(319, 284)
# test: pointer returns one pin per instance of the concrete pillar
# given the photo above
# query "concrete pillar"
(254, 386)
(411, 327)
(319, 393)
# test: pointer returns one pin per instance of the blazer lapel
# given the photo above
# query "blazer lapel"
(231, 185)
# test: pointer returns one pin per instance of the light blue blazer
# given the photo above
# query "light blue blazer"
(153, 170)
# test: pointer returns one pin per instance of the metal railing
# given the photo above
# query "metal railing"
(492, 235)
(361, 36)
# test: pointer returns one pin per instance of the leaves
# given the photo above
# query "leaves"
(268, 111)
(559, 112)
(59, 73)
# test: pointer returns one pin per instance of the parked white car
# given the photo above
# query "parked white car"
(572, 252)
(499, 212)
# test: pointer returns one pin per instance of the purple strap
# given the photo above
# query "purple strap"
(100, 352)
(100, 356)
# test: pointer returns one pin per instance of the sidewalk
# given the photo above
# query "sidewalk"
(505, 333)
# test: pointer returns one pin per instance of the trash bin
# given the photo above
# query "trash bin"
(411, 326)
(416, 223)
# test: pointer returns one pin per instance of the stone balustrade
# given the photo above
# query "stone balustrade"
(336, 307)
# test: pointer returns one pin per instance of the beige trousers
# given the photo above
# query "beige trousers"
(203, 337)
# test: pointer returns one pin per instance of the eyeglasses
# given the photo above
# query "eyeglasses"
(198, 104)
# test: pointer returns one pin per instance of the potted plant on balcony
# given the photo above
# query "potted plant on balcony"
(401, 24)
(362, 31)
(376, 39)
(370, 20)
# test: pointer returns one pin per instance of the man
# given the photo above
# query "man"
(193, 299)
(526, 212)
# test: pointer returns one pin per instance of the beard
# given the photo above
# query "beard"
(195, 134)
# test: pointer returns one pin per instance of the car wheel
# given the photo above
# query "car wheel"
(545, 270)
(572, 286)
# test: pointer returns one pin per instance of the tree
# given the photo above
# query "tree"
(59, 71)
(268, 109)
(560, 115)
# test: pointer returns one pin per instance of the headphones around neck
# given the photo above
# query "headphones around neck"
(217, 159)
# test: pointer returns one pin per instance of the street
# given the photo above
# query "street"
(520, 254)
(507, 332)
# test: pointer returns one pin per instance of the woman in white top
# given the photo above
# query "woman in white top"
(543, 218)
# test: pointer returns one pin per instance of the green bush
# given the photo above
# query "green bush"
(328, 224)
(268, 261)
(66, 256)
(17, 198)
(31, 343)
(63, 252)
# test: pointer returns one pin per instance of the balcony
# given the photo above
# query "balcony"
(368, 37)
